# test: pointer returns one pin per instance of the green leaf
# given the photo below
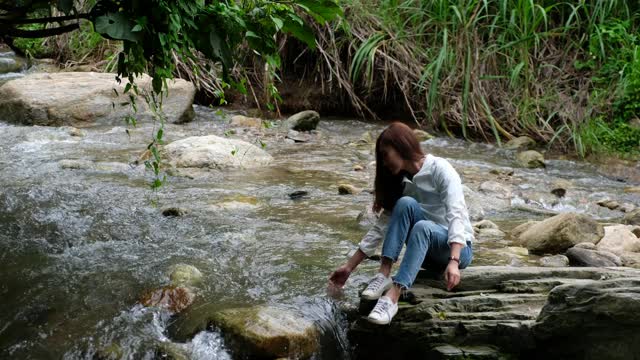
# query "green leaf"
(156, 83)
(294, 26)
(321, 10)
(220, 48)
(117, 26)
(278, 22)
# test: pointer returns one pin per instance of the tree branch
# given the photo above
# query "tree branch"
(34, 34)
(45, 20)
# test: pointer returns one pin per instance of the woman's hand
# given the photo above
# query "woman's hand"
(452, 275)
(339, 277)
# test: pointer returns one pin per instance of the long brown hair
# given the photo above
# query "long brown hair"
(387, 186)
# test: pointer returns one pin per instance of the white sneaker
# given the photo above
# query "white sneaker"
(383, 312)
(378, 285)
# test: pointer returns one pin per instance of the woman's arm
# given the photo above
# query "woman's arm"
(452, 197)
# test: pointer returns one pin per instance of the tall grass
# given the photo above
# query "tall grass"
(490, 69)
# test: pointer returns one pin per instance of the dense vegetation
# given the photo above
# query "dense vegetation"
(565, 73)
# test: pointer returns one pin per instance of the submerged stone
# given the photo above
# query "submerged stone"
(172, 298)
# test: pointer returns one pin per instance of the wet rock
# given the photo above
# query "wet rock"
(531, 159)
(245, 121)
(10, 64)
(632, 218)
(520, 143)
(627, 207)
(185, 275)
(298, 194)
(366, 138)
(518, 230)
(609, 204)
(443, 352)
(76, 132)
(76, 164)
(606, 312)
(485, 224)
(347, 189)
(517, 250)
(496, 189)
(559, 233)
(621, 170)
(256, 332)
(422, 135)
(490, 234)
(113, 351)
(619, 239)
(540, 199)
(214, 152)
(585, 257)
(172, 298)
(632, 189)
(586, 245)
(554, 261)
(357, 168)
(480, 204)
(298, 137)
(170, 351)
(304, 121)
(174, 212)
(631, 260)
(559, 187)
(55, 99)
(502, 172)
(270, 332)
(493, 307)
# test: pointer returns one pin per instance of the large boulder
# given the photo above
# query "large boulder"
(9, 63)
(422, 135)
(245, 121)
(585, 257)
(254, 332)
(214, 152)
(531, 159)
(81, 99)
(559, 233)
(619, 239)
(591, 320)
(185, 275)
(493, 306)
(632, 218)
(304, 121)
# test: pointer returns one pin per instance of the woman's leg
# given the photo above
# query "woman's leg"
(438, 256)
(419, 243)
(406, 213)
(426, 238)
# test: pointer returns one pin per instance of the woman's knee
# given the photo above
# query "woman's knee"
(405, 202)
(425, 226)
(422, 230)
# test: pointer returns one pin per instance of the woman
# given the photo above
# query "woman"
(424, 197)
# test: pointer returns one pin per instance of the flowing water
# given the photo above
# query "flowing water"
(82, 236)
(11, 66)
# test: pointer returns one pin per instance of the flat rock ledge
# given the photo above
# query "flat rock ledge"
(502, 312)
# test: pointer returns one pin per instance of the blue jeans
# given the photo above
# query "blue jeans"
(427, 242)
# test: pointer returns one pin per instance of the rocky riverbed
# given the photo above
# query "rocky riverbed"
(231, 256)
